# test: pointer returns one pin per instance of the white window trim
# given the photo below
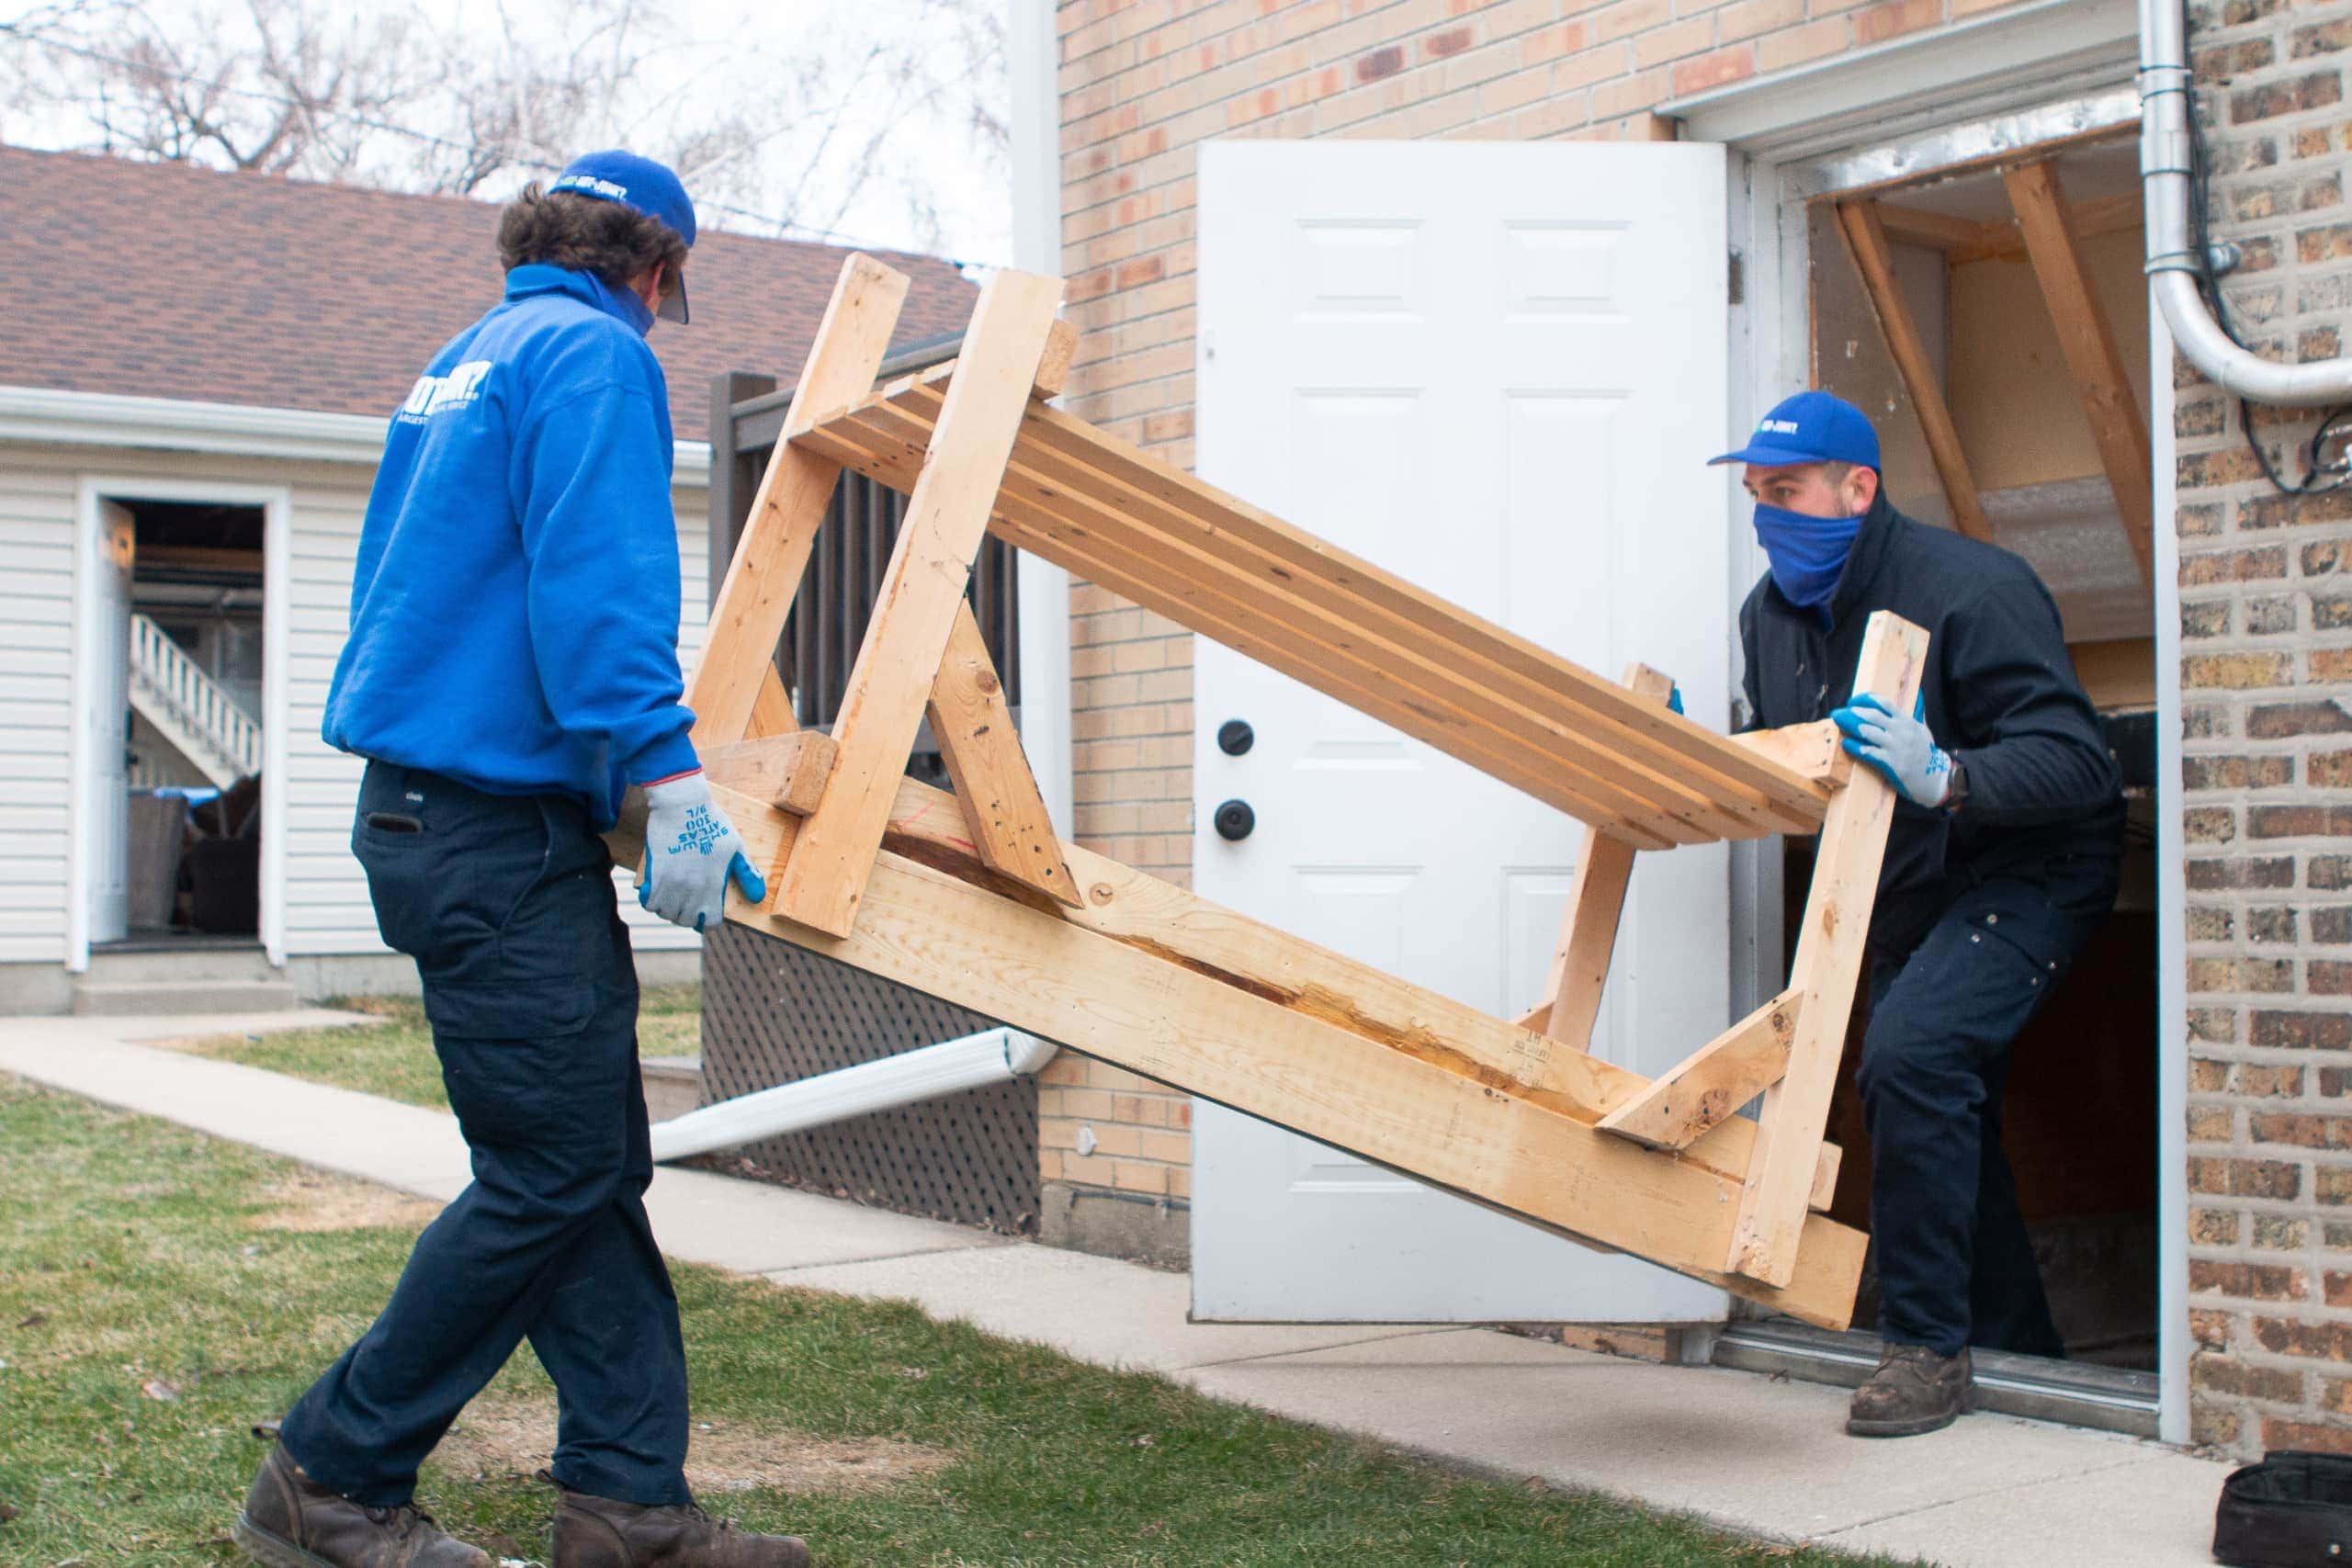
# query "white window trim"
(277, 502)
(48, 417)
(1041, 588)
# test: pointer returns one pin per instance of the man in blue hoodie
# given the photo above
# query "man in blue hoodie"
(2001, 861)
(511, 669)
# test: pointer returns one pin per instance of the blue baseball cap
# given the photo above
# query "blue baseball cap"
(1812, 427)
(644, 186)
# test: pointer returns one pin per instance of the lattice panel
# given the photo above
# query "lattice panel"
(773, 1012)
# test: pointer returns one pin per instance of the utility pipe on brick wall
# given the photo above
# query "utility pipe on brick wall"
(2174, 267)
(994, 1055)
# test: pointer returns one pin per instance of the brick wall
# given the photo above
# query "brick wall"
(1143, 82)
(2266, 690)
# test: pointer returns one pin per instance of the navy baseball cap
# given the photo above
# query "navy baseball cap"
(1812, 427)
(642, 185)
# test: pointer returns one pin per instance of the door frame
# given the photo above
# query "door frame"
(1770, 353)
(277, 505)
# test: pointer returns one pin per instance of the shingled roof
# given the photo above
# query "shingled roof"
(167, 281)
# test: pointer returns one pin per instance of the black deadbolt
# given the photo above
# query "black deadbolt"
(1234, 820)
(1234, 737)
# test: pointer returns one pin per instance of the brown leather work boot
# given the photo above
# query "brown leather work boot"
(597, 1532)
(1914, 1391)
(291, 1521)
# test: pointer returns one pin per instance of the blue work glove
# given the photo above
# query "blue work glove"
(690, 851)
(1901, 748)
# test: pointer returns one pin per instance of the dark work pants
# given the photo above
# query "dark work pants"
(506, 904)
(1954, 1265)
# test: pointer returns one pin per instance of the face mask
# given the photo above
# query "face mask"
(1807, 553)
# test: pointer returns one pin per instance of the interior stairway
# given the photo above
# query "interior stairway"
(189, 708)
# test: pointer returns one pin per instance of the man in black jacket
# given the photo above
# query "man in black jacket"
(2001, 861)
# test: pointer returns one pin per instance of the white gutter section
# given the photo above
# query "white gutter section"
(994, 1055)
(2173, 265)
(50, 417)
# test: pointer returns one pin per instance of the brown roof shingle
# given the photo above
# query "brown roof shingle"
(167, 281)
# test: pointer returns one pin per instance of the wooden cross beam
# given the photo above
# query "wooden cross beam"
(2117, 427)
(1866, 243)
(931, 566)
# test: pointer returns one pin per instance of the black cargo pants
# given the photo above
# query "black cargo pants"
(1954, 1264)
(506, 904)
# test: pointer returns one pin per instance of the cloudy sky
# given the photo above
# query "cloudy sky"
(854, 119)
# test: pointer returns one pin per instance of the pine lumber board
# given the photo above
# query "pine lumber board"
(931, 567)
(764, 578)
(1495, 747)
(1008, 960)
(1002, 806)
(2088, 338)
(1866, 245)
(1705, 1089)
(785, 771)
(1667, 745)
(1811, 749)
(928, 825)
(1826, 973)
(772, 709)
(1490, 725)
(1595, 910)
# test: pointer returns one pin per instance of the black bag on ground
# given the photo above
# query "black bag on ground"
(2293, 1510)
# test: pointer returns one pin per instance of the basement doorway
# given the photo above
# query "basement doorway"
(179, 681)
(1988, 310)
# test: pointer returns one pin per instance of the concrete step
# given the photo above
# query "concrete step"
(119, 998)
(156, 962)
(673, 1086)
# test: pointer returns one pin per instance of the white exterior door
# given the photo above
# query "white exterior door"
(106, 720)
(1496, 370)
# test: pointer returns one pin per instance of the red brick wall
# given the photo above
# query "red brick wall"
(2267, 686)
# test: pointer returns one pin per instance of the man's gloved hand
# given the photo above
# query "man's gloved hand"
(1899, 748)
(690, 851)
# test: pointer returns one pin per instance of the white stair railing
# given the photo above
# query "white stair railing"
(191, 709)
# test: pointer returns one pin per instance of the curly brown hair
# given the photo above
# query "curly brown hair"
(581, 234)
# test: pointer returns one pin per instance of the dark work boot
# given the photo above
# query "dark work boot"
(597, 1532)
(291, 1521)
(1914, 1391)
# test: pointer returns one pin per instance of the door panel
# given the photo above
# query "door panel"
(1496, 371)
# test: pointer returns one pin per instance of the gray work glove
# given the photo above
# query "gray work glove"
(690, 851)
(1900, 749)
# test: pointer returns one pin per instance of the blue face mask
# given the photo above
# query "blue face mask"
(1807, 553)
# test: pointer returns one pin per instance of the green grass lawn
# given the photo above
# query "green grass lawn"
(163, 1291)
(395, 1058)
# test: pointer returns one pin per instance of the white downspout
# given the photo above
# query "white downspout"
(994, 1055)
(2174, 267)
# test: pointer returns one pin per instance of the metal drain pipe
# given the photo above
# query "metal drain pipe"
(993, 1056)
(2174, 267)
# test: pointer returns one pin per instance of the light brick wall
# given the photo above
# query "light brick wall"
(1143, 82)
(2267, 688)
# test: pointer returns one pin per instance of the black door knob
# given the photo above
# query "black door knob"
(1234, 820)
(1234, 737)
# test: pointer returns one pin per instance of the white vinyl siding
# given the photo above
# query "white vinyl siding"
(326, 908)
(36, 708)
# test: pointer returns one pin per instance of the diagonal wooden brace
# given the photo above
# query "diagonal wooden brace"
(747, 619)
(1826, 974)
(824, 874)
(1595, 905)
(973, 724)
(1713, 1081)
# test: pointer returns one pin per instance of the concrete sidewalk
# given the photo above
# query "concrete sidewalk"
(1765, 1458)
